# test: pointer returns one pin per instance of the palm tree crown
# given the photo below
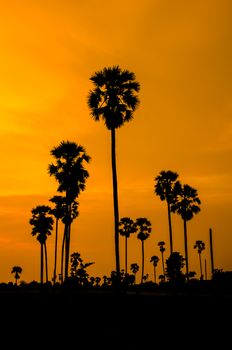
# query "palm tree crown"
(186, 203)
(114, 97)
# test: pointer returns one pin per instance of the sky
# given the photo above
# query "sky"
(181, 54)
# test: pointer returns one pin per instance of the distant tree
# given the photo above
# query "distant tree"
(126, 228)
(134, 269)
(71, 175)
(186, 204)
(114, 99)
(154, 260)
(78, 269)
(167, 187)
(200, 246)
(161, 245)
(144, 229)
(174, 264)
(42, 224)
(16, 270)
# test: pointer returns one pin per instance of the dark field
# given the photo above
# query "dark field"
(105, 320)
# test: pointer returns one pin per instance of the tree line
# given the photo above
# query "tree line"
(113, 99)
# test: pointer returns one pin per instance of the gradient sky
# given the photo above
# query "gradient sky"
(181, 53)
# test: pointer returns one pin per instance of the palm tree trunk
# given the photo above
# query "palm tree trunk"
(154, 274)
(170, 228)
(41, 263)
(56, 240)
(67, 250)
(200, 266)
(46, 261)
(142, 261)
(115, 199)
(126, 254)
(62, 254)
(186, 248)
(163, 265)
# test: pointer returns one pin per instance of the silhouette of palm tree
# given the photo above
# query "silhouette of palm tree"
(186, 204)
(161, 245)
(126, 228)
(71, 175)
(166, 187)
(134, 269)
(114, 100)
(200, 245)
(58, 212)
(154, 260)
(42, 224)
(17, 270)
(144, 227)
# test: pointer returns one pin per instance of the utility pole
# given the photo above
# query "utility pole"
(211, 251)
(205, 270)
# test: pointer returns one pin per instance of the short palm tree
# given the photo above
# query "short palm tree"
(200, 245)
(144, 229)
(161, 245)
(186, 204)
(167, 187)
(42, 224)
(126, 228)
(154, 260)
(16, 270)
(71, 175)
(134, 269)
(114, 100)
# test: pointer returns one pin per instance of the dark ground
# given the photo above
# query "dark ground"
(104, 320)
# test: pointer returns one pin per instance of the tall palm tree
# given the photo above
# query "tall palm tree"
(42, 224)
(200, 245)
(154, 260)
(161, 245)
(144, 229)
(71, 175)
(186, 204)
(126, 228)
(58, 212)
(167, 187)
(16, 270)
(114, 100)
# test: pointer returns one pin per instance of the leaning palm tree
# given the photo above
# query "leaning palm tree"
(167, 187)
(154, 260)
(126, 228)
(144, 229)
(16, 270)
(114, 99)
(71, 175)
(186, 204)
(200, 245)
(42, 224)
(58, 212)
(161, 245)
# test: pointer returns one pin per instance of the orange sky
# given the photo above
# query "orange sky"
(181, 54)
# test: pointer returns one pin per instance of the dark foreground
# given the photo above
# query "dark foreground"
(106, 320)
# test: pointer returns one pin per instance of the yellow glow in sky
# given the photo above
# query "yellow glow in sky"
(181, 55)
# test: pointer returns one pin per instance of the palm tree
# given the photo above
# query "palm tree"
(154, 260)
(186, 204)
(144, 227)
(167, 187)
(126, 227)
(17, 270)
(114, 100)
(200, 245)
(42, 224)
(134, 269)
(58, 212)
(71, 175)
(161, 245)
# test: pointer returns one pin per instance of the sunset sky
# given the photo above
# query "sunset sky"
(181, 54)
